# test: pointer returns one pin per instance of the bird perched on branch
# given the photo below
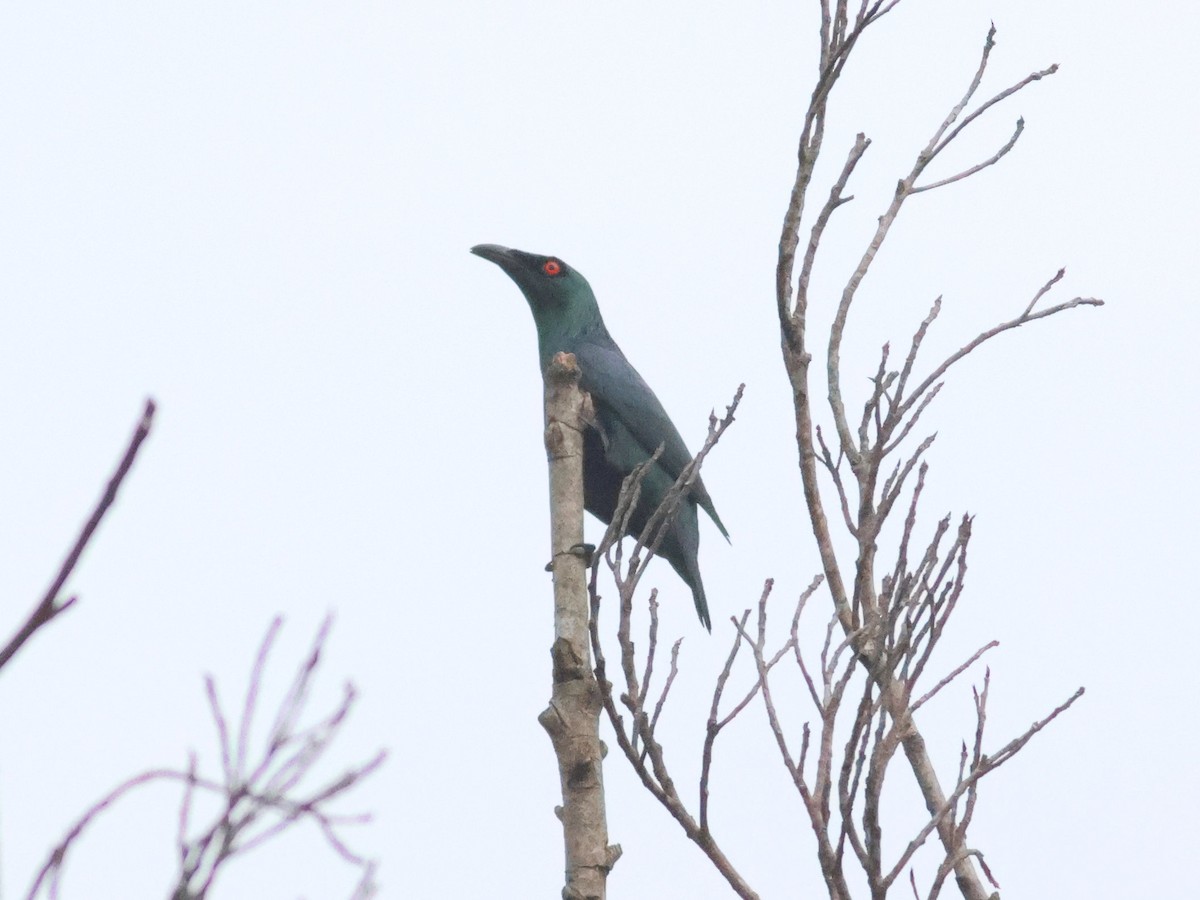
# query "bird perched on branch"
(630, 422)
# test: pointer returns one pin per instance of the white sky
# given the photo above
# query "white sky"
(262, 219)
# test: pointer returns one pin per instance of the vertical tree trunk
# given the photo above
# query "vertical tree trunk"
(573, 717)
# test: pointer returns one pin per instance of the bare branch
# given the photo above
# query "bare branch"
(648, 672)
(853, 764)
(714, 725)
(990, 161)
(834, 470)
(915, 347)
(54, 863)
(896, 484)
(50, 605)
(256, 677)
(246, 803)
(659, 521)
(1045, 289)
(954, 673)
(1003, 95)
(228, 767)
(1024, 317)
(911, 423)
(983, 766)
(789, 762)
(954, 113)
(662, 699)
(836, 199)
(637, 739)
(1013, 747)
(871, 409)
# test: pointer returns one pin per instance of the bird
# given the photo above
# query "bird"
(630, 422)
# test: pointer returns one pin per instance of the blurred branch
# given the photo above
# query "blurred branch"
(259, 801)
(50, 605)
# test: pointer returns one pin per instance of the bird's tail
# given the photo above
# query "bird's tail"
(701, 604)
(705, 502)
(689, 570)
(680, 547)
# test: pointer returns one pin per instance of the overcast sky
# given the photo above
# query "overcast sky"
(262, 218)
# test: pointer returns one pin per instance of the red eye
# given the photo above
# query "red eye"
(551, 267)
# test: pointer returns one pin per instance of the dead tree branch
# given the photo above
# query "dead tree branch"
(573, 717)
(882, 632)
(893, 626)
(637, 739)
(51, 605)
(261, 799)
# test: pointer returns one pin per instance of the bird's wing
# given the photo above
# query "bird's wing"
(616, 386)
(632, 420)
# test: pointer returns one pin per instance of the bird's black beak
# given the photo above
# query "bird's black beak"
(494, 253)
(516, 264)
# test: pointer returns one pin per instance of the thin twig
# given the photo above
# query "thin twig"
(1025, 317)
(50, 606)
(954, 673)
(246, 801)
(990, 161)
(714, 725)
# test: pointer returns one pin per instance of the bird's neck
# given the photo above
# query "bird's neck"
(569, 336)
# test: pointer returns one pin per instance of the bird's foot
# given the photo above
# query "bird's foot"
(583, 551)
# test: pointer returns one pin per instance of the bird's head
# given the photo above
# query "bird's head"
(562, 301)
